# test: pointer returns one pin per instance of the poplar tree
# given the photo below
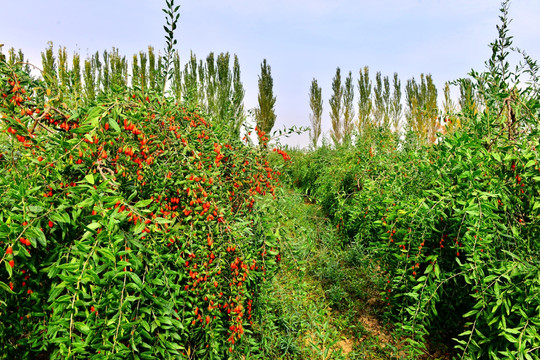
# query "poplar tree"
(118, 69)
(381, 100)
(49, 66)
(265, 115)
(152, 79)
(467, 97)
(176, 81)
(449, 108)
(396, 107)
(75, 74)
(211, 84)
(190, 88)
(224, 82)
(422, 109)
(106, 79)
(237, 98)
(348, 108)
(26, 67)
(336, 109)
(12, 56)
(63, 68)
(15, 58)
(142, 71)
(316, 105)
(97, 71)
(365, 104)
(432, 110)
(89, 80)
(202, 85)
(387, 103)
(135, 72)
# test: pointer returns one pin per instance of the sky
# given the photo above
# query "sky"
(300, 39)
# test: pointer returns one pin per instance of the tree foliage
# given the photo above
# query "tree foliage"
(348, 108)
(365, 103)
(265, 115)
(316, 105)
(336, 108)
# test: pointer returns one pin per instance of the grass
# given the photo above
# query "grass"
(324, 303)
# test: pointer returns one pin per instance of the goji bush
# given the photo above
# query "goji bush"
(130, 227)
(454, 226)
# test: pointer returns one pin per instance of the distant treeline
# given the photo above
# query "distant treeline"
(380, 105)
(214, 83)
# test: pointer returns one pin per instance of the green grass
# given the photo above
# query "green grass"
(324, 302)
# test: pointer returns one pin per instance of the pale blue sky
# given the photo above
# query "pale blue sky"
(301, 39)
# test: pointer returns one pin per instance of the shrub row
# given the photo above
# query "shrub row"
(130, 228)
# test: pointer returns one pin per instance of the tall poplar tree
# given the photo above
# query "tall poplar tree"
(49, 66)
(237, 98)
(75, 74)
(348, 108)
(316, 105)
(432, 110)
(118, 69)
(265, 114)
(152, 72)
(224, 81)
(387, 102)
(190, 87)
(422, 110)
(176, 81)
(468, 99)
(202, 84)
(336, 109)
(211, 84)
(365, 104)
(106, 79)
(135, 75)
(396, 107)
(381, 99)
(449, 108)
(89, 77)
(143, 72)
(63, 68)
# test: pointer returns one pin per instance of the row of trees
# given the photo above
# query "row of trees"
(213, 83)
(380, 105)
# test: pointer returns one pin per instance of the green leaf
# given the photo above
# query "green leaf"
(143, 203)
(57, 290)
(161, 220)
(8, 268)
(94, 225)
(107, 253)
(5, 287)
(59, 218)
(114, 125)
(437, 270)
(90, 178)
(93, 116)
(136, 279)
(510, 338)
(82, 327)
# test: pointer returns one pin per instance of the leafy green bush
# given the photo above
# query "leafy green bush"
(131, 228)
(455, 225)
